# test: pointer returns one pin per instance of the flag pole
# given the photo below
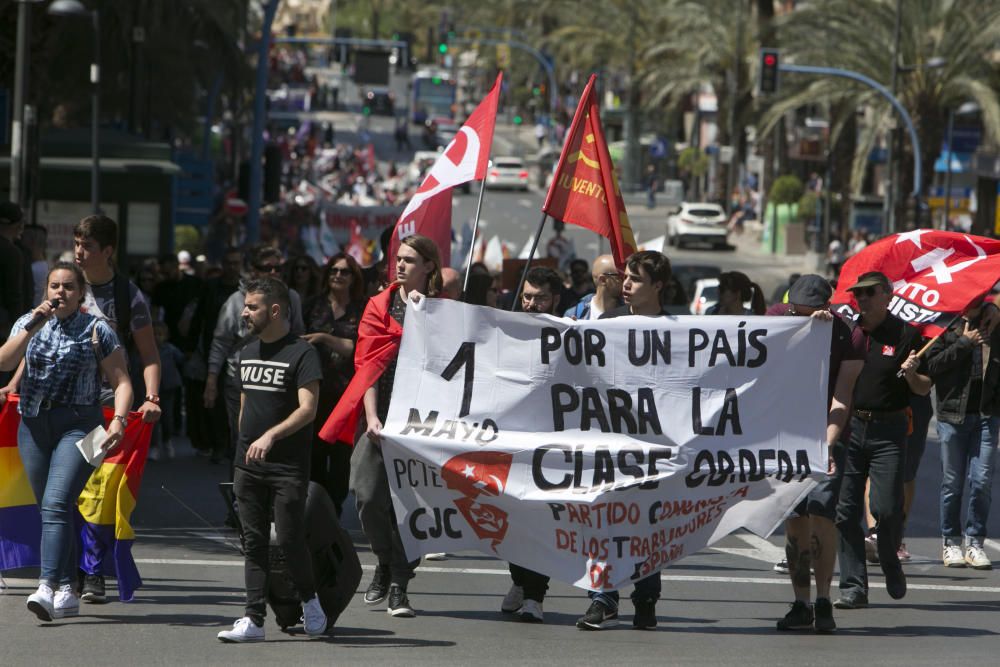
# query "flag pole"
(527, 265)
(475, 230)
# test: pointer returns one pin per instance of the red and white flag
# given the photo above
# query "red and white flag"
(935, 275)
(465, 159)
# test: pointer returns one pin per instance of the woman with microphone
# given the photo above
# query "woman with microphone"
(65, 352)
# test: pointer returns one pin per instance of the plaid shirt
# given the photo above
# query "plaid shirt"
(60, 362)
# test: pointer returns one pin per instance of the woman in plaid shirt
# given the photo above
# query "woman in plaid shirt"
(65, 352)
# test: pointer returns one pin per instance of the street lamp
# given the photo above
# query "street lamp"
(75, 9)
(967, 108)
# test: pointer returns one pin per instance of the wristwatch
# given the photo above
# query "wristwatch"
(153, 398)
(124, 422)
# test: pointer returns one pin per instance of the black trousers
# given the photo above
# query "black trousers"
(257, 493)
(533, 583)
(877, 453)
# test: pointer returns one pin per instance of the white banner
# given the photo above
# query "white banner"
(599, 452)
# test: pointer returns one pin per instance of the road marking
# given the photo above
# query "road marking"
(526, 203)
(769, 581)
(679, 578)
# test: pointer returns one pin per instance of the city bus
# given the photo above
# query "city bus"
(432, 95)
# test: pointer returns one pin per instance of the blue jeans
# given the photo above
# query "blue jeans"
(57, 473)
(646, 589)
(967, 449)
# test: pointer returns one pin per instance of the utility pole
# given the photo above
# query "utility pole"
(889, 205)
(20, 85)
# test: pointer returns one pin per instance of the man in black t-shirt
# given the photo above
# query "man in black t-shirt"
(876, 451)
(279, 376)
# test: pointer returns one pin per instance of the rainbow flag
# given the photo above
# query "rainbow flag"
(20, 521)
(105, 506)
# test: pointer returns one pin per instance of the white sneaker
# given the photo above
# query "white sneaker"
(436, 556)
(65, 603)
(40, 603)
(952, 556)
(314, 617)
(976, 558)
(530, 612)
(513, 600)
(243, 630)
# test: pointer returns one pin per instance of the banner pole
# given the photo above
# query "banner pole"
(527, 265)
(475, 231)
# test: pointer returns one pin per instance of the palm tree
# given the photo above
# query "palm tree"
(961, 35)
(611, 36)
(710, 42)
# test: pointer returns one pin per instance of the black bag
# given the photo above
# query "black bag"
(336, 568)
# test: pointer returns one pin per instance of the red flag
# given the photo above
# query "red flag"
(465, 159)
(378, 343)
(935, 275)
(584, 189)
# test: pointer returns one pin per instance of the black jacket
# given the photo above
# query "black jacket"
(949, 364)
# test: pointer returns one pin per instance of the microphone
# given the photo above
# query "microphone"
(39, 318)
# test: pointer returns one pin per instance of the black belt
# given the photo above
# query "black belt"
(876, 415)
(46, 404)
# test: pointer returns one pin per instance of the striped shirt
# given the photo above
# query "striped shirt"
(60, 364)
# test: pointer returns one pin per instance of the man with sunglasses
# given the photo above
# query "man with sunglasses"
(876, 451)
(231, 336)
(608, 280)
(810, 532)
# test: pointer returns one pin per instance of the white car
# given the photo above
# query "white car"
(698, 223)
(507, 172)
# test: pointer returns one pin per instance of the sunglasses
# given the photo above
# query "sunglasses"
(866, 291)
(268, 268)
(302, 268)
(336, 271)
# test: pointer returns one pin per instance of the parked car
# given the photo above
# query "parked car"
(705, 295)
(698, 223)
(380, 101)
(507, 172)
(688, 275)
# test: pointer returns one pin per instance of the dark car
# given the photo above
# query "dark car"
(380, 101)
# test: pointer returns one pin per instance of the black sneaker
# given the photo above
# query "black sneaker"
(799, 617)
(598, 617)
(399, 604)
(895, 580)
(852, 601)
(93, 589)
(645, 615)
(781, 567)
(824, 616)
(379, 588)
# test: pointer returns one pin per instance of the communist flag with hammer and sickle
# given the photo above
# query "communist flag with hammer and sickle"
(584, 188)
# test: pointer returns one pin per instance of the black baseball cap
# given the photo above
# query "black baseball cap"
(810, 290)
(10, 213)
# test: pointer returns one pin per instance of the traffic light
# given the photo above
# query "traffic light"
(768, 71)
(443, 48)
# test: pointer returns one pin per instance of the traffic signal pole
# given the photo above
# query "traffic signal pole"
(882, 90)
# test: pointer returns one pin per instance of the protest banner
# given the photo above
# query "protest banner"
(599, 452)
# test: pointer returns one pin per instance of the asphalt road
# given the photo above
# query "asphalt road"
(718, 607)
